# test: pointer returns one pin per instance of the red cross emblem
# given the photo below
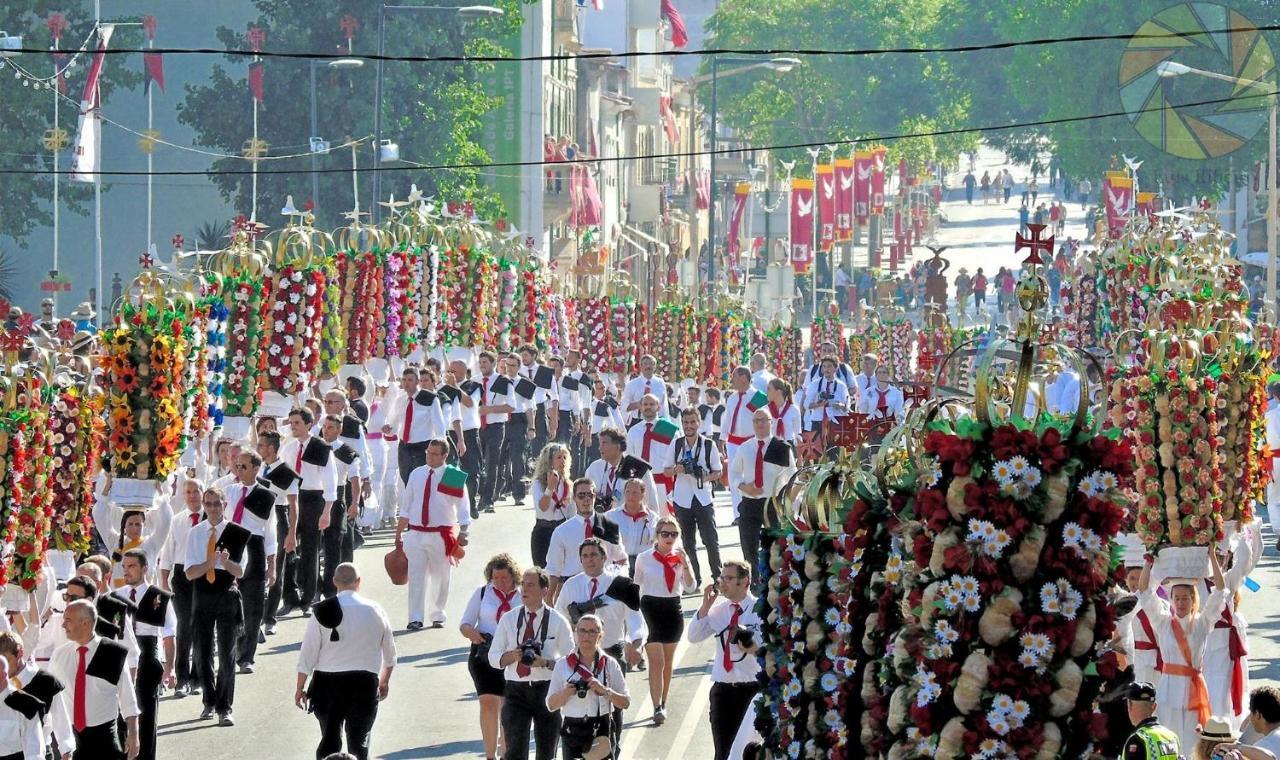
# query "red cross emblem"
(256, 36)
(13, 341)
(66, 330)
(1035, 243)
(178, 242)
(349, 25)
(146, 261)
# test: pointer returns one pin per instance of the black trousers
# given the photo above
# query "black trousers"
(540, 540)
(98, 743)
(409, 457)
(183, 633)
(729, 702)
(524, 702)
(471, 463)
(573, 747)
(541, 432)
(146, 687)
(492, 437)
(344, 703)
(217, 613)
(701, 517)
(593, 451)
(750, 521)
(285, 566)
(310, 507)
(513, 456)
(331, 542)
(253, 589)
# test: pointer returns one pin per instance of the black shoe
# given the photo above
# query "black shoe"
(415, 625)
(270, 629)
(475, 513)
(226, 720)
(262, 637)
(437, 624)
(285, 609)
(489, 509)
(206, 713)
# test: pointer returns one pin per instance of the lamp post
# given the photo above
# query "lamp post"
(339, 63)
(779, 65)
(1170, 69)
(462, 13)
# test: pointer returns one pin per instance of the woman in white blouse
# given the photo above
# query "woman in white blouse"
(637, 524)
(552, 504)
(498, 595)
(786, 414)
(663, 573)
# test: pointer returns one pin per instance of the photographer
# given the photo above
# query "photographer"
(826, 397)
(527, 642)
(728, 613)
(609, 475)
(586, 688)
(694, 464)
(487, 606)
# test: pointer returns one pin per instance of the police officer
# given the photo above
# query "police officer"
(1150, 740)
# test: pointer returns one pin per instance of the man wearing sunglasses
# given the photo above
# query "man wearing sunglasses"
(562, 556)
(728, 612)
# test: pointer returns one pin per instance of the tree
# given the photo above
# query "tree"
(432, 109)
(27, 112)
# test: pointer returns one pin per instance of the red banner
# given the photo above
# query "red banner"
(1117, 193)
(826, 206)
(877, 181)
(844, 199)
(801, 224)
(1147, 205)
(862, 185)
(740, 193)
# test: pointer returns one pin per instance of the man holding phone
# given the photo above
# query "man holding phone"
(728, 613)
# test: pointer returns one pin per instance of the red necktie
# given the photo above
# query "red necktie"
(883, 405)
(613, 478)
(504, 602)
(733, 623)
(733, 421)
(586, 530)
(484, 400)
(648, 433)
(297, 464)
(426, 500)
(408, 420)
(239, 513)
(523, 670)
(133, 595)
(195, 519)
(760, 465)
(595, 586)
(79, 714)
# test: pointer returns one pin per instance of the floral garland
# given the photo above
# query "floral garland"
(243, 296)
(712, 364)
(827, 328)
(1241, 413)
(197, 381)
(357, 274)
(294, 326)
(33, 498)
(529, 306)
(558, 331)
(507, 282)
(14, 461)
(640, 333)
(409, 274)
(898, 350)
(389, 303)
(689, 337)
(77, 438)
(595, 334)
(215, 351)
(621, 339)
(333, 330)
(663, 342)
(430, 297)
(455, 318)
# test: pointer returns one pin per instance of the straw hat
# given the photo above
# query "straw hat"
(1218, 730)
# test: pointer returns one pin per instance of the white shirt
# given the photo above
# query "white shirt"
(175, 548)
(657, 450)
(812, 393)
(743, 468)
(562, 555)
(103, 700)
(612, 419)
(621, 623)
(170, 627)
(365, 641)
(760, 380)
(157, 519)
(482, 610)
(59, 715)
(343, 471)
(445, 509)
(519, 403)
(735, 423)
(869, 404)
(606, 670)
(862, 383)
(636, 534)
(651, 577)
(489, 398)
(541, 395)
(469, 416)
(716, 623)
(1062, 396)
(786, 420)
(636, 389)
(567, 400)
(428, 421)
(361, 445)
(198, 543)
(314, 477)
(562, 495)
(264, 529)
(686, 486)
(603, 475)
(558, 642)
(19, 735)
(282, 495)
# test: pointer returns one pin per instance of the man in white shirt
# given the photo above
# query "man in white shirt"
(21, 733)
(576, 398)
(283, 482)
(761, 467)
(335, 540)
(55, 715)
(650, 438)
(495, 411)
(610, 472)
(351, 432)
(253, 508)
(99, 686)
(866, 378)
(526, 645)
(693, 464)
(562, 555)
(843, 372)
(1062, 396)
(642, 385)
(348, 651)
(546, 415)
(469, 451)
(826, 397)
(728, 613)
(433, 513)
(521, 429)
(173, 578)
(383, 450)
(760, 374)
(735, 424)
(154, 625)
(416, 418)
(588, 691)
(313, 461)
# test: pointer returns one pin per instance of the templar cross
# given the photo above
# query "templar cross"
(146, 260)
(349, 24)
(57, 24)
(66, 330)
(13, 341)
(178, 242)
(256, 36)
(26, 323)
(1035, 243)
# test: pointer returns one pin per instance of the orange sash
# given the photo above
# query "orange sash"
(1198, 696)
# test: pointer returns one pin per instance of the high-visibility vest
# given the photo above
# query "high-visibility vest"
(1160, 742)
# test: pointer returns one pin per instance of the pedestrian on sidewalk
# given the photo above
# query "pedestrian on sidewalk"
(1085, 188)
(1008, 184)
(969, 183)
(1033, 187)
(962, 290)
(979, 286)
(985, 183)
(997, 185)
(1055, 215)
(1024, 216)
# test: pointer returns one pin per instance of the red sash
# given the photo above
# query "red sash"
(1150, 644)
(1236, 648)
(446, 534)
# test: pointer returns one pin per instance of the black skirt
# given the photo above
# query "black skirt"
(664, 618)
(486, 678)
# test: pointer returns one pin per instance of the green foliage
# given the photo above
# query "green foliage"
(432, 110)
(25, 113)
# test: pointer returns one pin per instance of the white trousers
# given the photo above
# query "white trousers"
(390, 481)
(370, 517)
(429, 572)
(731, 453)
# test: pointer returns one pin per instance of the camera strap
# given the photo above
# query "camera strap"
(546, 620)
(599, 672)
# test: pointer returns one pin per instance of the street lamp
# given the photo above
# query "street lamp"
(1170, 69)
(334, 65)
(778, 65)
(462, 13)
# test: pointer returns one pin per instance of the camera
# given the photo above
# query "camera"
(578, 609)
(692, 468)
(604, 502)
(745, 638)
(824, 396)
(530, 651)
(583, 689)
(482, 650)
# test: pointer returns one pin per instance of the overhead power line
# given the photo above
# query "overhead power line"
(653, 156)
(762, 52)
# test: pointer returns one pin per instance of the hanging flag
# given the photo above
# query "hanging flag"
(152, 71)
(86, 160)
(844, 199)
(60, 66)
(1117, 192)
(597, 4)
(668, 119)
(701, 189)
(255, 80)
(740, 193)
(1147, 205)
(801, 224)
(862, 185)
(585, 205)
(1260, 176)
(679, 35)
(877, 181)
(826, 206)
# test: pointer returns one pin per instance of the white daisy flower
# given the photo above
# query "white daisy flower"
(1092, 542)
(972, 603)
(1088, 487)
(1018, 465)
(831, 617)
(1002, 471)
(1107, 480)
(1019, 712)
(1031, 477)
(1001, 541)
(1002, 703)
(998, 724)
(975, 530)
(1028, 659)
(968, 585)
(830, 682)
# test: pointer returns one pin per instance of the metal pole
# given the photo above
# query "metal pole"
(1271, 219)
(711, 211)
(377, 116)
(315, 160)
(57, 152)
(150, 178)
(97, 189)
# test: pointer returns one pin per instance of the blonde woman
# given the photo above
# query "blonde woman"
(496, 597)
(663, 573)
(552, 504)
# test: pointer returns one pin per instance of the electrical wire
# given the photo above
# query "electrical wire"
(654, 156)
(856, 52)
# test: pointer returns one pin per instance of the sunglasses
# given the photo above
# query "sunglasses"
(668, 533)
(583, 495)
